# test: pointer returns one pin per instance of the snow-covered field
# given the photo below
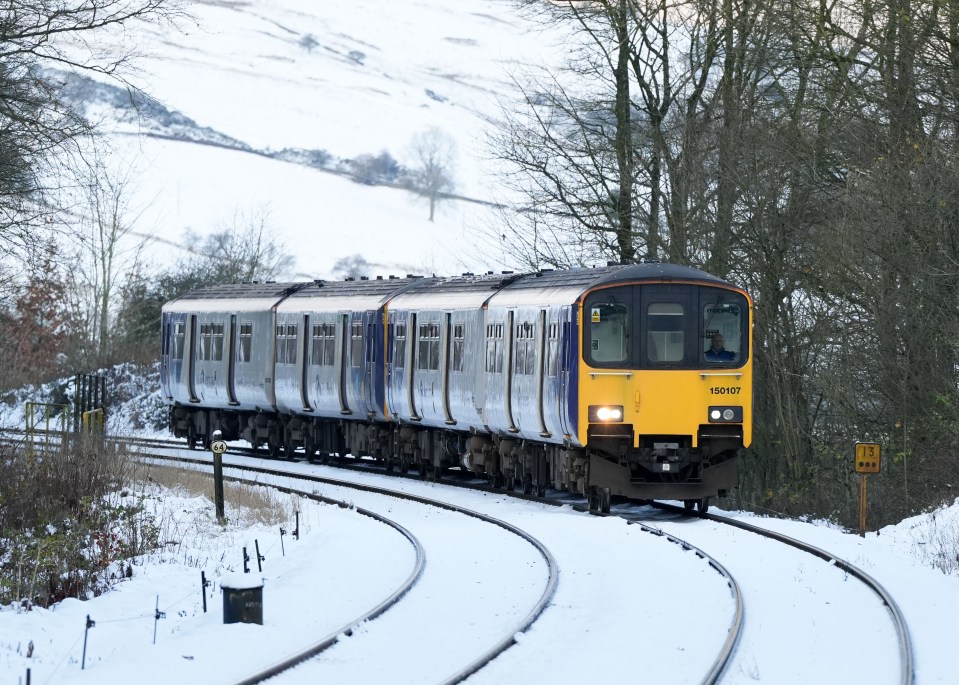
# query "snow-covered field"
(629, 605)
(348, 79)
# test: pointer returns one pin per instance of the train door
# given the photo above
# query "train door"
(540, 336)
(305, 348)
(342, 361)
(166, 367)
(508, 364)
(231, 363)
(190, 357)
(665, 313)
(446, 363)
(411, 369)
(369, 364)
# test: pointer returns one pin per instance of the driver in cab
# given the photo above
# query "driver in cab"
(717, 351)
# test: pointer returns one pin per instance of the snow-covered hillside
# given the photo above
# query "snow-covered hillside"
(249, 85)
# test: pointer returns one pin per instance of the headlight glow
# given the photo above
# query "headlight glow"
(605, 413)
(715, 415)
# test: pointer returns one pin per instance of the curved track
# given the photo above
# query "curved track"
(903, 639)
(464, 672)
(906, 660)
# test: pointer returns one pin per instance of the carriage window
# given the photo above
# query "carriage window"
(399, 356)
(722, 331)
(459, 343)
(285, 349)
(245, 346)
(494, 348)
(665, 332)
(608, 332)
(525, 355)
(291, 343)
(552, 348)
(203, 351)
(179, 335)
(356, 345)
(217, 346)
(322, 347)
(428, 352)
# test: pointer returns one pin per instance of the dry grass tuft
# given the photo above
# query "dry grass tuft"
(245, 504)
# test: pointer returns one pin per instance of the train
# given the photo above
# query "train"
(630, 381)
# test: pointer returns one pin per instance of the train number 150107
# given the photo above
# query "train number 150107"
(725, 391)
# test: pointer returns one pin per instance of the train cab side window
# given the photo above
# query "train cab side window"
(608, 332)
(399, 352)
(179, 336)
(356, 345)
(552, 348)
(722, 332)
(459, 344)
(665, 332)
(244, 347)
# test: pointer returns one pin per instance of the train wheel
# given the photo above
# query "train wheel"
(599, 500)
(689, 505)
(703, 505)
(289, 448)
(526, 482)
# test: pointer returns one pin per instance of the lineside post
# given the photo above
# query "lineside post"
(218, 447)
(862, 504)
(868, 459)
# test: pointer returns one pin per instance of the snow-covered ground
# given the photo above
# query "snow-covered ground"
(627, 603)
(347, 79)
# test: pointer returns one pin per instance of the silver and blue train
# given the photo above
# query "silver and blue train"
(602, 381)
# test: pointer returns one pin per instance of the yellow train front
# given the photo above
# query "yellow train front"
(664, 387)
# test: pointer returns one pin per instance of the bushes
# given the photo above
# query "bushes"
(66, 525)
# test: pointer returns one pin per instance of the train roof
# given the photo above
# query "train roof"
(412, 292)
(468, 290)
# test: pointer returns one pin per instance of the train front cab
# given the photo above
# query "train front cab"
(659, 414)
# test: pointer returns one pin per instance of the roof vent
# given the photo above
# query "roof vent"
(364, 278)
(507, 273)
(351, 278)
(379, 278)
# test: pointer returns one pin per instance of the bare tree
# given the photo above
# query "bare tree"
(433, 155)
(244, 249)
(110, 249)
(37, 127)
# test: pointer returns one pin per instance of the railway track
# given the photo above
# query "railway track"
(906, 671)
(508, 638)
(905, 655)
(715, 669)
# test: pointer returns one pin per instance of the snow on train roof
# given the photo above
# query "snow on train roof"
(346, 295)
(505, 289)
(468, 290)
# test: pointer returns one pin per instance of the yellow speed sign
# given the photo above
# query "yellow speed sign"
(868, 457)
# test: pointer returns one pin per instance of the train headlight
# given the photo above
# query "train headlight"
(605, 413)
(725, 414)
